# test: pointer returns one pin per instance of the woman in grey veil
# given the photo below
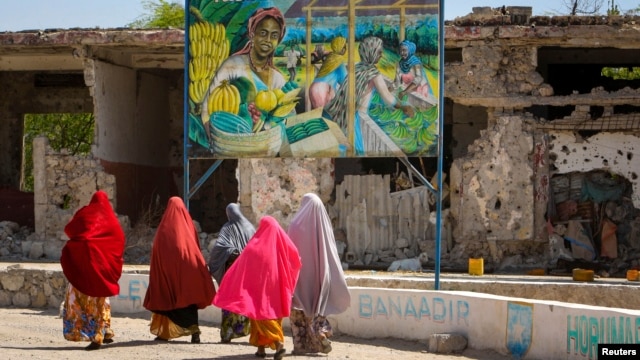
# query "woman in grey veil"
(321, 289)
(234, 236)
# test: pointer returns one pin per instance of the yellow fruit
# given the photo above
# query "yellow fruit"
(266, 100)
(225, 97)
(285, 110)
(289, 97)
(279, 93)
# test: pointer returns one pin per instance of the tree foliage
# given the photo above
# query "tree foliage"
(73, 132)
(612, 8)
(621, 73)
(160, 14)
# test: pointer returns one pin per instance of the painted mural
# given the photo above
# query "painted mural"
(519, 328)
(308, 78)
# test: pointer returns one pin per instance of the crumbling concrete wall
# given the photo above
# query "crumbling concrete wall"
(491, 189)
(496, 71)
(611, 151)
(275, 186)
(63, 183)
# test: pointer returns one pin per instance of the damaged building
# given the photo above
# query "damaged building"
(539, 147)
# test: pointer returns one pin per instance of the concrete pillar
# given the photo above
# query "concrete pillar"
(40, 197)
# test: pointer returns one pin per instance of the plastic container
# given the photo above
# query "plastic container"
(582, 275)
(536, 272)
(632, 275)
(476, 266)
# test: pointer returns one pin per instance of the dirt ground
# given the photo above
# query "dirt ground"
(37, 334)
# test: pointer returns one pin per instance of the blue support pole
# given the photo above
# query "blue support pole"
(204, 178)
(440, 145)
(185, 99)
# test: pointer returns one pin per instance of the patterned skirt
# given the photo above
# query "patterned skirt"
(86, 318)
(310, 335)
(175, 323)
(233, 326)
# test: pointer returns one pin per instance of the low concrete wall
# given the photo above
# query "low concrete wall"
(523, 328)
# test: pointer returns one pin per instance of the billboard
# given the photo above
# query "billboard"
(312, 78)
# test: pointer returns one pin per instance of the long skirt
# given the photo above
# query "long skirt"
(233, 326)
(175, 323)
(266, 333)
(86, 318)
(310, 335)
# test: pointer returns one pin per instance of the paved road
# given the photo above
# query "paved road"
(37, 334)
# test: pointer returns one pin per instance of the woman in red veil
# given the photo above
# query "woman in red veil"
(179, 280)
(92, 261)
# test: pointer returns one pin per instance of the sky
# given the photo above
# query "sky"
(17, 15)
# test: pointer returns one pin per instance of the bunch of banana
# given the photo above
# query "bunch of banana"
(400, 132)
(427, 135)
(208, 48)
(410, 146)
(306, 129)
(376, 110)
(225, 97)
(286, 102)
(415, 123)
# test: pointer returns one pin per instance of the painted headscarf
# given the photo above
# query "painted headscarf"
(370, 49)
(178, 274)
(322, 288)
(92, 258)
(234, 236)
(338, 43)
(260, 283)
(335, 58)
(253, 22)
(411, 60)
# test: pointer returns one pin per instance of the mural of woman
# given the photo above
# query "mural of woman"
(410, 74)
(368, 81)
(330, 75)
(266, 29)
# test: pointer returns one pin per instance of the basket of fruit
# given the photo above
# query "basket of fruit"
(245, 122)
(232, 136)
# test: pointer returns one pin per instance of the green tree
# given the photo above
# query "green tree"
(160, 14)
(612, 8)
(621, 73)
(73, 132)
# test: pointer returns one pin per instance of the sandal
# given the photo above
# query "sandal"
(326, 346)
(195, 338)
(260, 354)
(92, 346)
(279, 354)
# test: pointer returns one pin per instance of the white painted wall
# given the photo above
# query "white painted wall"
(616, 152)
(527, 329)
(132, 123)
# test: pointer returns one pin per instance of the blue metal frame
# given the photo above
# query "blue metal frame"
(440, 146)
(188, 192)
(185, 111)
